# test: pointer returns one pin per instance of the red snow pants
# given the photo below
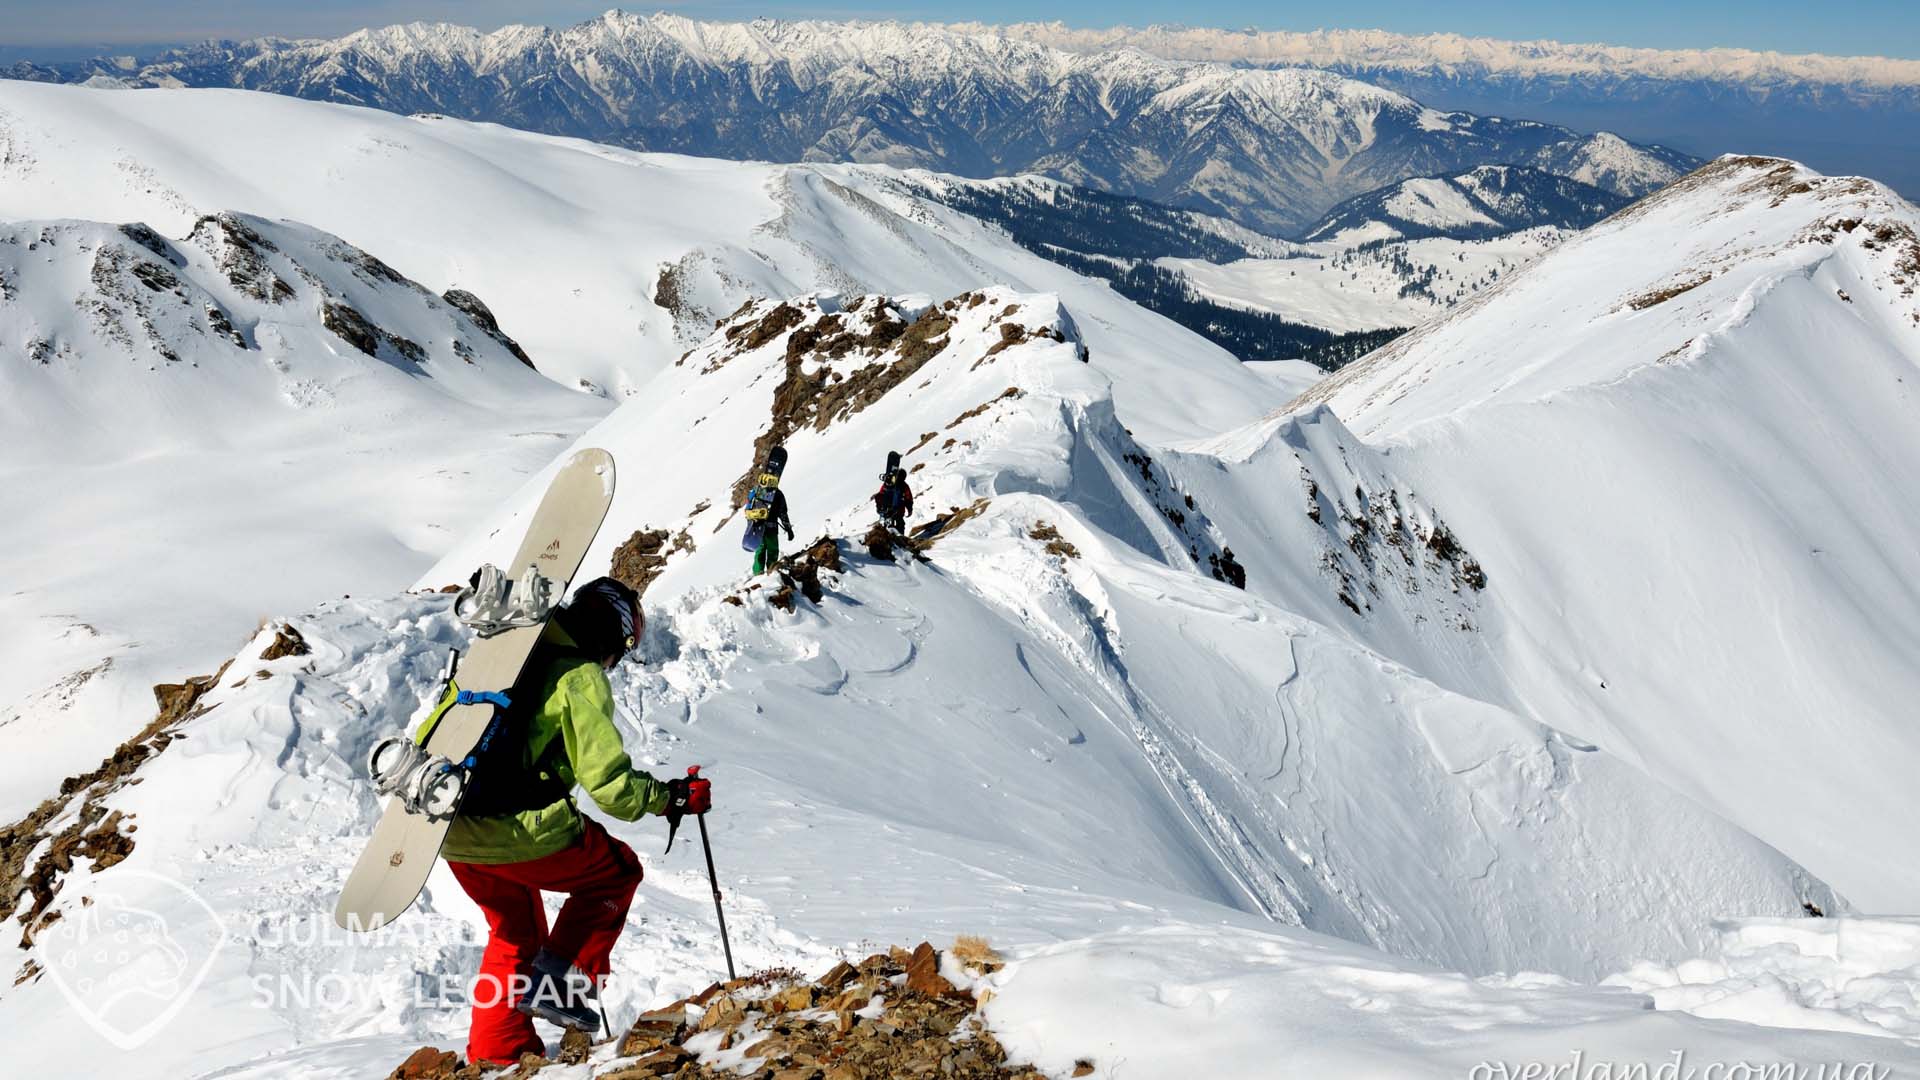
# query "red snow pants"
(599, 875)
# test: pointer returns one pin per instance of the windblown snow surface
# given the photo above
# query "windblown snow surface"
(1535, 728)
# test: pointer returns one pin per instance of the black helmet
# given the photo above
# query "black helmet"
(603, 617)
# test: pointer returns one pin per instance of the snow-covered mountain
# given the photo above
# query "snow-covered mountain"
(1363, 285)
(1003, 734)
(243, 416)
(1525, 685)
(602, 265)
(1840, 113)
(1172, 261)
(1373, 267)
(1426, 52)
(1270, 148)
(1478, 204)
(1686, 424)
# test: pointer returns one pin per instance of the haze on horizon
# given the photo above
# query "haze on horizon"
(64, 29)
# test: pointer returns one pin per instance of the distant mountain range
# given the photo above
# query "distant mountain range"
(1839, 113)
(1271, 149)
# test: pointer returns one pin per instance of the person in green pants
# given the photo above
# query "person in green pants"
(768, 553)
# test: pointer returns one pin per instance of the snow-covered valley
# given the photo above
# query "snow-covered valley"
(1526, 686)
(1394, 283)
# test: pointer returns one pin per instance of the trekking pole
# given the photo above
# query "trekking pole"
(714, 880)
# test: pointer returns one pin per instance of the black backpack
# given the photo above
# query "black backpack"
(504, 778)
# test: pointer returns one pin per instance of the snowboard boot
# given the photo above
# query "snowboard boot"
(560, 994)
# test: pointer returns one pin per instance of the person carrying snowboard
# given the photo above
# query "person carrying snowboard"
(894, 500)
(767, 513)
(518, 833)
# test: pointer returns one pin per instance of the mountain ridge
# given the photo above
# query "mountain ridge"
(1839, 114)
(1270, 149)
(1385, 47)
(1482, 202)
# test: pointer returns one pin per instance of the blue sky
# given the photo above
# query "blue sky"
(1875, 27)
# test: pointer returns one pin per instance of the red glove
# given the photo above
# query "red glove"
(699, 791)
(689, 794)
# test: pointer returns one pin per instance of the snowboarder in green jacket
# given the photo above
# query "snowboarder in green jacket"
(519, 832)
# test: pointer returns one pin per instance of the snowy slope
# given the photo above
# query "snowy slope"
(1365, 279)
(1476, 204)
(816, 864)
(245, 416)
(1007, 738)
(1677, 444)
(1407, 253)
(1289, 821)
(604, 264)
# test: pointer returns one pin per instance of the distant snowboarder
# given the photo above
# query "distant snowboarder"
(894, 500)
(518, 834)
(767, 513)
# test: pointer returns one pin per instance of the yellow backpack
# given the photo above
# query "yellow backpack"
(760, 499)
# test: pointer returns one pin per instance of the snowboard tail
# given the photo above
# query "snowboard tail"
(393, 869)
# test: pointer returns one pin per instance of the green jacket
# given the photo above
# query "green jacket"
(572, 737)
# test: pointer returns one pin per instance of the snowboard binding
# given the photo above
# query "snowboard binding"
(493, 603)
(426, 784)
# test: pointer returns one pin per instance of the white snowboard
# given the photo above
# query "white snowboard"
(394, 867)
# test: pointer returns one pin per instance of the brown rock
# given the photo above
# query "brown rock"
(837, 976)
(723, 1010)
(1083, 1067)
(923, 973)
(771, 1046)
(880, 964)
(825, 553)
(643, 556)
(530, 1063)
(632, 1045)
(427, 1063)
(574, 1047)
(653, 1029)
(641, 1070)
(286, 642)
(665, 1061)
(853, 998)
(792, 999)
